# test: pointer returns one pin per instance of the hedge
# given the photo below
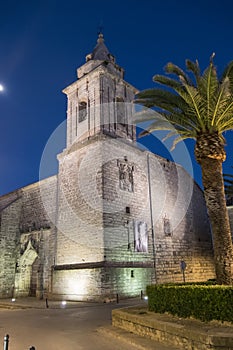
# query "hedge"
(204, 302)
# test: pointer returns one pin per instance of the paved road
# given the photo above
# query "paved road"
(71, 328)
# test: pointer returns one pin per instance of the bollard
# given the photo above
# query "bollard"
(117, 298)
(46, 303)
(183, 267)
(6, 342)
(141, 294)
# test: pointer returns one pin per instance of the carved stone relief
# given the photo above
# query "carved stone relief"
(125, 176)
(140, 236)
(167, 226)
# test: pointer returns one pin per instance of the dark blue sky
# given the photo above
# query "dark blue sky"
(43, 42)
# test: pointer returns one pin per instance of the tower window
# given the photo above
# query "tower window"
(167, 227)
(120, 110)
(82, 111)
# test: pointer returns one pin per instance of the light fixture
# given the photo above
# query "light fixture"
(63, 303)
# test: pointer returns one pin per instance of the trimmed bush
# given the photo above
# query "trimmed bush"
(204, 302)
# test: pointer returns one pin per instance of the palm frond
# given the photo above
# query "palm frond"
(194, 68)
(228, 72)
(193, 98)
(204, 108)
(163, 99)
(228, 110)
(208, 86)
(146, 115)
(179, 139)
(174, 84)
(171, 68)
(156, 125)
(221, 96)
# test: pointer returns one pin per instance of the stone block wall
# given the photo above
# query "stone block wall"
(166, 198)
(124, 206)
(125, 281)
(77, 284)
(106, 207)
(27, 240)
(80, 214)
(106, 283)
(82, 226)
(9, 239)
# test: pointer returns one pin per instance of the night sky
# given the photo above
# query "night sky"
(42, 43)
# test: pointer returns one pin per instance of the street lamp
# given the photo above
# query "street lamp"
(1, 88)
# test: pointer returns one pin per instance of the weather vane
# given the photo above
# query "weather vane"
(100, 28)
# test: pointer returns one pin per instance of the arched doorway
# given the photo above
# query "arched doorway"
(34, 277)
(26, 273)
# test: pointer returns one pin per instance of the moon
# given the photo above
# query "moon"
(1, 87)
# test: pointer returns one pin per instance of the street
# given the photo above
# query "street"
(72, 328)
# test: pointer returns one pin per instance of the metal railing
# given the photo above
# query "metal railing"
(6, 343)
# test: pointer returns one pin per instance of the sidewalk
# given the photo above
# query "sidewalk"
(34, 303)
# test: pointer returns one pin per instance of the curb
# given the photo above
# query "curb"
(139, 342)
(170, 330)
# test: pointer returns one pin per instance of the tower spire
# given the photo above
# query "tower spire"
(100, 52)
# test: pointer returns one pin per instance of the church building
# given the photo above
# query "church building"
(115, 218)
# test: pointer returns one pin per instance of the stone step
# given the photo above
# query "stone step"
(133, 339)
(174, 331)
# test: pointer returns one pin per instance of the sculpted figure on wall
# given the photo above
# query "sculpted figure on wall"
(126, 176)
(167, 226)
(140, 237)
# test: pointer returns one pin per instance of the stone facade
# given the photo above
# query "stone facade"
(27, 241)
(115, 218)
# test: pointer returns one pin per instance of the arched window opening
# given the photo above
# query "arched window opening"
(82, 111)
(120, 110)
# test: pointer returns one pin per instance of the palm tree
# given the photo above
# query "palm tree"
(200, 107)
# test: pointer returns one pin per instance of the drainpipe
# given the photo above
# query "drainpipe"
(151, 216)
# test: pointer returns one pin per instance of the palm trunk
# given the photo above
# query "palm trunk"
(216, 205)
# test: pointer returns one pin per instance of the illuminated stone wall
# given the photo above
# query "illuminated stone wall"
(77, 284)
(100, 283)
(96, 220)
(179, 218)
(9, 236)
(80, 216)
(27, 240)
(98, 249)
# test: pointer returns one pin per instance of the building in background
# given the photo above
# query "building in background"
(115, 218)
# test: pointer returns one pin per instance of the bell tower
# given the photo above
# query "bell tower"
(99, 102)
